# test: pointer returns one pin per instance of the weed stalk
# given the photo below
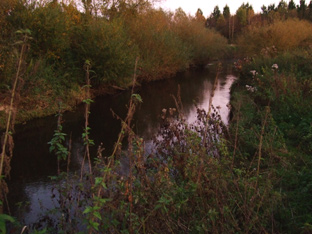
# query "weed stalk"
(85, 135)
(9, 118)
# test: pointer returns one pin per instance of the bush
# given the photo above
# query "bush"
(162, 53)
(278, 37)
(108, 47)
(203, 44)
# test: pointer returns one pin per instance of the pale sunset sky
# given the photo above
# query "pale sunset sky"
(207, 6)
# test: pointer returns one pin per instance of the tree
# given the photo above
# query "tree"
(282, 5)
(179, 15)
(282, 9)
(302, 9)
(221, 25)
(226, 12)
(291, 5)
(241, 14)
(274, 16)
(87, 6)
(244, 15)
(264, 10)
(310, 11)
(271, 7)
(216, 13)
(292, 12)
(213, 18)
(199, 15)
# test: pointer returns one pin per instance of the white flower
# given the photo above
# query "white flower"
(253, 72)
(251, 89)
(275, 66)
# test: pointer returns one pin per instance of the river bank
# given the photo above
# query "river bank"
(272, 126)
(59, 41)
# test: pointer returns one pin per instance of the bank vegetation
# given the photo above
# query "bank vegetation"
(253, 176)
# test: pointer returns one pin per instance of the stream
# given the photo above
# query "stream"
(32, 164)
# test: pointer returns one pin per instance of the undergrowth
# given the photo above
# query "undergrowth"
(250, 177)
(283, 84)
(196, 180)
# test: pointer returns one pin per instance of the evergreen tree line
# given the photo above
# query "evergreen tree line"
(231, 25)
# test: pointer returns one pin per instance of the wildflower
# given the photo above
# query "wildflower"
(253, 72)
(275, 66)
(251, 89)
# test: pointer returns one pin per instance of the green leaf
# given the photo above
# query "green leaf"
(6, 218)
(87, 62)
(53, 177)
(98, 215)
(95, 225)
(3, 219)
(98, 180)
(87, 210)
(137, 97)
(27, 31)
(88, 101)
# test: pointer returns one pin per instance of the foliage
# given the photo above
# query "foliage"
(64, 38)
(162, 53)
(188, 185)
(284, 84)
(3, 219)
(57, 144)
(109, 49)
(205, 46)
(191, 182)
(284, 36)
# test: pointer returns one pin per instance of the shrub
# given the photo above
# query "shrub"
(280, 36)
(203, 44)
(162, 53)
(108, 47)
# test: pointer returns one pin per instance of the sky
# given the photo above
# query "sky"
(207, 6)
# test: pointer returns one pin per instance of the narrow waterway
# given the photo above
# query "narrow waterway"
(32, 163)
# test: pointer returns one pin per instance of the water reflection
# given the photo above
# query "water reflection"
(220, 100)
(32, 163)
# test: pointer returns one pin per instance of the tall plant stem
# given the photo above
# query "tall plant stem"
(86, 127)
(130, 139)
(210, 101)
(236, 135)
(87, 111)
(261, 142)
(125, 127)
(11, 105)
